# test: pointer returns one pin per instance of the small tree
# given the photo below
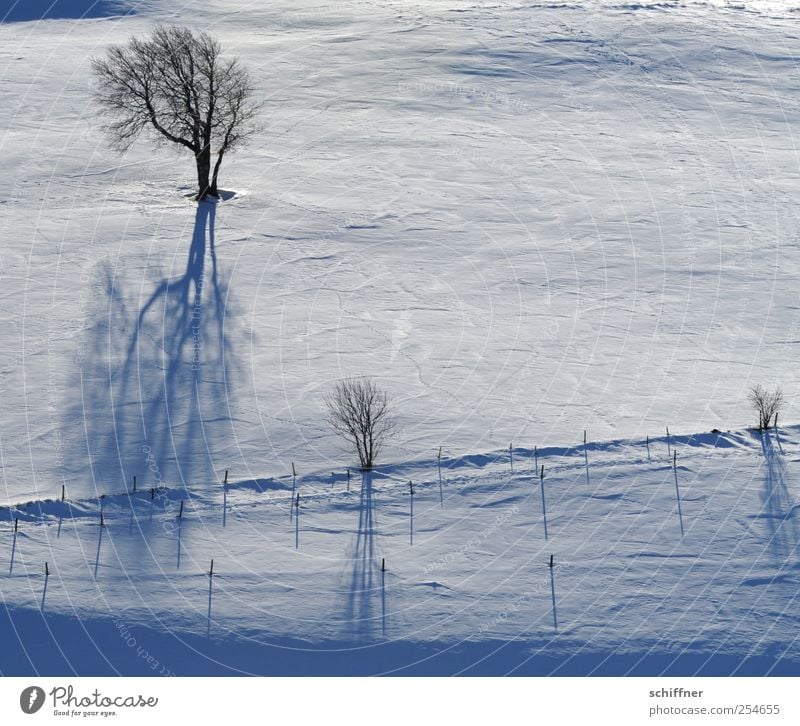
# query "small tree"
(175, 85)
(359, 411)
(767, 405)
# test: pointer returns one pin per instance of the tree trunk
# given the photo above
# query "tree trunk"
(214, 190)
(203, 159)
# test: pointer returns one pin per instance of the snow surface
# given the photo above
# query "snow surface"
(525, 220)
(466, 586)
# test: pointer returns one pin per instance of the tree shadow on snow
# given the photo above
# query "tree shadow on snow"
(363, 580)
(15, 11)
(155, 384)
(777, 504)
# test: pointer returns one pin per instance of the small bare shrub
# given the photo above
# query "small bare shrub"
(767, 405)
(360, 412)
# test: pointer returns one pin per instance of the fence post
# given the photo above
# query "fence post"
(544, 506)
(553, 593)
(586, 457)
(411, 530)
(677, 490)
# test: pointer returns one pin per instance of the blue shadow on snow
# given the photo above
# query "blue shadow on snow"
(156, 379)
(16, 11)
(58, 645)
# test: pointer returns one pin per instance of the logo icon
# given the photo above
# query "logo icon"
(32, 699)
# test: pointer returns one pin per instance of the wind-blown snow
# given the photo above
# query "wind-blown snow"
(525, 220)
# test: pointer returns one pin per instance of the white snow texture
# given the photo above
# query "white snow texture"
(524, 221)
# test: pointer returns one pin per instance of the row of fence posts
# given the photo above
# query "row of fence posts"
(294, 501)
(295, 513)
(294, 509)
(670, 452)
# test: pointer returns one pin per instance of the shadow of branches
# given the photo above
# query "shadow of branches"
(154, 385)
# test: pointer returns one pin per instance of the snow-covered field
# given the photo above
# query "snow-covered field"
(525, 220)
(466, 585)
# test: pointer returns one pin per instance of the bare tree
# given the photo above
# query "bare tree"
(175, 85)
(767, 405)
(360, 412)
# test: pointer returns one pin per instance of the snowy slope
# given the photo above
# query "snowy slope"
(524, 219)
(467, 579)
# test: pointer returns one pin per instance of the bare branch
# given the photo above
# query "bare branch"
(767, 405)
(174, 86)
(359, 411)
